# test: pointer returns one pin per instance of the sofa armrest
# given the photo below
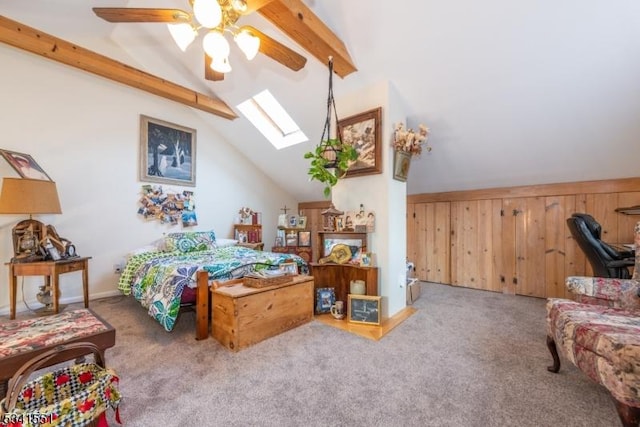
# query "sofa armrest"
(621, 293)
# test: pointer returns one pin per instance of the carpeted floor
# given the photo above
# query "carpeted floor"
(465, 358)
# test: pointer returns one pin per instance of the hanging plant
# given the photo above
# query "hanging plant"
(328, 170)
(331, 158)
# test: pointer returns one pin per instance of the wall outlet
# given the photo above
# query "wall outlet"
(117, 268)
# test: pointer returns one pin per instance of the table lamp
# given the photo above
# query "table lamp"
(29, 196)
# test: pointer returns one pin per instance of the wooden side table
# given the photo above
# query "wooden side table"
(51, 270)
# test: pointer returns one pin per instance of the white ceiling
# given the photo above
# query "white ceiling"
(515, 93)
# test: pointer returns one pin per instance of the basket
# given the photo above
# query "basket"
(75, 396)
(255, 282)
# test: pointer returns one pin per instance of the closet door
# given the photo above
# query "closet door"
(429, 233)
(476, 244)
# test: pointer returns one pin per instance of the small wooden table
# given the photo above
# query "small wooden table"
(51, 270)
(243, 316)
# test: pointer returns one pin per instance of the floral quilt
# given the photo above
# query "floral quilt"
(157, 279)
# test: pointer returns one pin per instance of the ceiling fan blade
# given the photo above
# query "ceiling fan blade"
(134, 14)
(277, 51)
(253, 5)
(210, 73)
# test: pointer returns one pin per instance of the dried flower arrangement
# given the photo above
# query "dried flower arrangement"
(409, 141)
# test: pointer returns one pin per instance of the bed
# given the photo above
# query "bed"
(178, 270)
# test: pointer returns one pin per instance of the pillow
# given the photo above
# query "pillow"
(155, 246)
(190, 241)
(223, 243)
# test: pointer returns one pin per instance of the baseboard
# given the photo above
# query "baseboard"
(20, 306)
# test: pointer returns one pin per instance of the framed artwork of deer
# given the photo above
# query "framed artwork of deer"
(167, 152)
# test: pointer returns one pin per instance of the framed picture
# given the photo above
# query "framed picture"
(362, 131)
(289, 267)
(293, 221)
(365, 259)
(325, 298)
(304, 238)
(302, 222)
(167, 152)
(357, 242)
(292, 238)
(25, 165)
(363, 309)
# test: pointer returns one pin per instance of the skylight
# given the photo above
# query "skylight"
(268, 116)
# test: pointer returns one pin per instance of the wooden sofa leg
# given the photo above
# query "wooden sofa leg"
(629, 415)
(551, 344)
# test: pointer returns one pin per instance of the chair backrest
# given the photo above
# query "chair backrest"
(597, 252)
(594, 226)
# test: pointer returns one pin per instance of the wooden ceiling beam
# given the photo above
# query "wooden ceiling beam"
(23, 37)
(253, 5)
(297, 21)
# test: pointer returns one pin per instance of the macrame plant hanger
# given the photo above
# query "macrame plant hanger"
(331, 151)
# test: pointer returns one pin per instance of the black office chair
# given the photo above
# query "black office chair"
(605, 260)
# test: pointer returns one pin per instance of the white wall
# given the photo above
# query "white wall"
(381, 194)
(83, 130)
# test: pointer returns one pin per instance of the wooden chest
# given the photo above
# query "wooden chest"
(243, 316)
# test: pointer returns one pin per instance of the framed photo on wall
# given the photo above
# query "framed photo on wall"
(25, 165)
(363, 132)
(167, 152)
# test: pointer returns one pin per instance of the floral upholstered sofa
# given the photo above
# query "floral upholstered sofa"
(599, 332)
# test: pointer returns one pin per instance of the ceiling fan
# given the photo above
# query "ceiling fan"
(217, 18)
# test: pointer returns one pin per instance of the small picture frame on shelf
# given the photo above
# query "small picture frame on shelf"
(325, 298)
(292, 239)
(365, 259)
(363, 309)
(302, 222)
(304, 238)
(289, 267)
(293, 221)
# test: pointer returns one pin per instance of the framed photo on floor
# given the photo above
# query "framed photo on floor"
(363, 309)
(325, 298)
(167, 152)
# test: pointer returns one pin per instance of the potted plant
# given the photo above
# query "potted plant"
(329, 162)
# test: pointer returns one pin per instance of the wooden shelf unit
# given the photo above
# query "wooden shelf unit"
(252, 231)
(339, 277)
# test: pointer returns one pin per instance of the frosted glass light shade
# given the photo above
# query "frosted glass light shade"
(220, 65)
(207, 12)
(248, 43)
(183, 34)
(215, 45)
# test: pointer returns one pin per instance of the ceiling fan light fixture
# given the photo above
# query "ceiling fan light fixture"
(215, 45)
(239, 6)
(183, 34)
(221, 65)
(248, 43)
(207, 12)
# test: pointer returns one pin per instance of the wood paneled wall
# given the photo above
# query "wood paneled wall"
(513, 240)
(313, 212)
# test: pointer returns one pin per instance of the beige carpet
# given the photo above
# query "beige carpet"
(464, 358)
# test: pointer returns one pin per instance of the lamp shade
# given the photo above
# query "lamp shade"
(29, 196)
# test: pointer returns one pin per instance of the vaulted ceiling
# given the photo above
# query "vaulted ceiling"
(515, 93)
